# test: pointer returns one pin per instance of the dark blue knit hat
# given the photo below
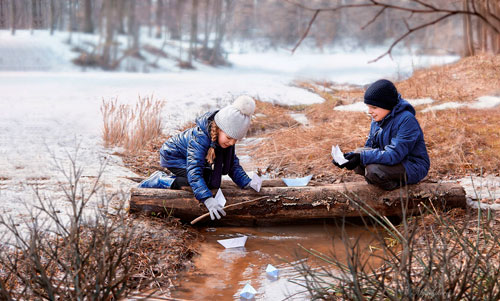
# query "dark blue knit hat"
(382, 94)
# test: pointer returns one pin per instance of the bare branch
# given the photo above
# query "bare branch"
(374, 18)
(410, 31)
(307, 30)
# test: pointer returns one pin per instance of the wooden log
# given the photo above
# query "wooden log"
(290, 204)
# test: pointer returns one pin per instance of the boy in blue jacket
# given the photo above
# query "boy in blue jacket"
(395, 153)
(199, 156)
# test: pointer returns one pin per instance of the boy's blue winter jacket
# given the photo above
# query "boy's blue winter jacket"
(188, 150)
(398, 138)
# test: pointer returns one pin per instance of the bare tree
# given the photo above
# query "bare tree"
(468, 38)
(88, 24)
(109, 33)
(194, 30)
(482, 10)
(121, 7)
(13, 17)
(53, 18)
(133, 27)
(223, 10)
(207, 27)
(159, 18)
(3, 13)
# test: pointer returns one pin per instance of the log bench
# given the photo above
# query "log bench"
(289, 205)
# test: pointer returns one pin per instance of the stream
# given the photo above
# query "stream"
(221, 274)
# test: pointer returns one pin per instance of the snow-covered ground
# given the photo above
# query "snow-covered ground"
(49, 106)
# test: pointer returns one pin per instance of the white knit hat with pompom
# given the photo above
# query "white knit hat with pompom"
(235, 119)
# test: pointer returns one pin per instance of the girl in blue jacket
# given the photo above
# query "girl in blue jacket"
(199, 156)
(395, 153)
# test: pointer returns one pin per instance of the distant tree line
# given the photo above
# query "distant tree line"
(468, 26)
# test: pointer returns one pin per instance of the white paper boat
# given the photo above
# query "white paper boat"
(248, 292)
(271, 271)
(338, 156)
(297, 181)
(237, 242)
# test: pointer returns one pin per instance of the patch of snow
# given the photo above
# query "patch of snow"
(483, 102)
(300, 118)
(486, 102)
(354, 107)
(420, 101)
(481, 189)
(445, 106)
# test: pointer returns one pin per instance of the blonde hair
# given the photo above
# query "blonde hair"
(214, 134)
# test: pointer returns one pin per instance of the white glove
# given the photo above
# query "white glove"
(214, 208)
(255, 183)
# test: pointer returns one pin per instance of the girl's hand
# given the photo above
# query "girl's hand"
(256, 183)
(214, 208)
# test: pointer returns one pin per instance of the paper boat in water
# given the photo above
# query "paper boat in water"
(248, 292)
(271, 271)
(297, 181)
(237, 242)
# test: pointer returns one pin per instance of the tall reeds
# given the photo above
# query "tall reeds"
(132, 128)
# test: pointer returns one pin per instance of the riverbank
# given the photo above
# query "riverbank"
(462, 140)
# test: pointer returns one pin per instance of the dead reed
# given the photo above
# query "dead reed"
(132, 128)
(434, 256)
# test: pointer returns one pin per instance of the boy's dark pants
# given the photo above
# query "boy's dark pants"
(384, 176)
(387, 177)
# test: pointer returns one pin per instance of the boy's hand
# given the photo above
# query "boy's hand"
(214, 208)
(354, 160)
(335, 163)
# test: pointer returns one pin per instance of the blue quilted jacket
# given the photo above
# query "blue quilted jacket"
(398, 138)
(188, 150)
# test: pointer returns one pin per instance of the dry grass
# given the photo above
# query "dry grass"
(303, 149)
(464, 80)
(132, 128)
(270, 117)
(459, 141)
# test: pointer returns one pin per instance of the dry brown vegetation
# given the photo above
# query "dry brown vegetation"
(459, 141)
(132, 128)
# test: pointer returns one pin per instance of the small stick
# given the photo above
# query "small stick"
(199, 218)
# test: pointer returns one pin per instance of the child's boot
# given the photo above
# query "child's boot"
(158, 179)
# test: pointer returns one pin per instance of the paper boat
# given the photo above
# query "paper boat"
(297, 181)
(271, 271)
(237, 242)
(248, 292)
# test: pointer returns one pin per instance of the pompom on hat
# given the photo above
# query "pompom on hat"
(382, 94)
(235, 119)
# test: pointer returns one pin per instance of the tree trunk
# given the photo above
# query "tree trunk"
(133, 27)
(88, 26)
(149, 16)
(207, 25)
(293, 204)
(194, 31)
(36, 14)
(13, 17)
(110, 27)
(121, 5)
(71, 20)
(3, 14)
(53, 17)
(159, 18)
(468, 38)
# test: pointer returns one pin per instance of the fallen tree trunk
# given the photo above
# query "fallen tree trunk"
(291, 204)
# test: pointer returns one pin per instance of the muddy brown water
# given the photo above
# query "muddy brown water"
(221, 274)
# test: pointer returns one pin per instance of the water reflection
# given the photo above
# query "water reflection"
(222, 273)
